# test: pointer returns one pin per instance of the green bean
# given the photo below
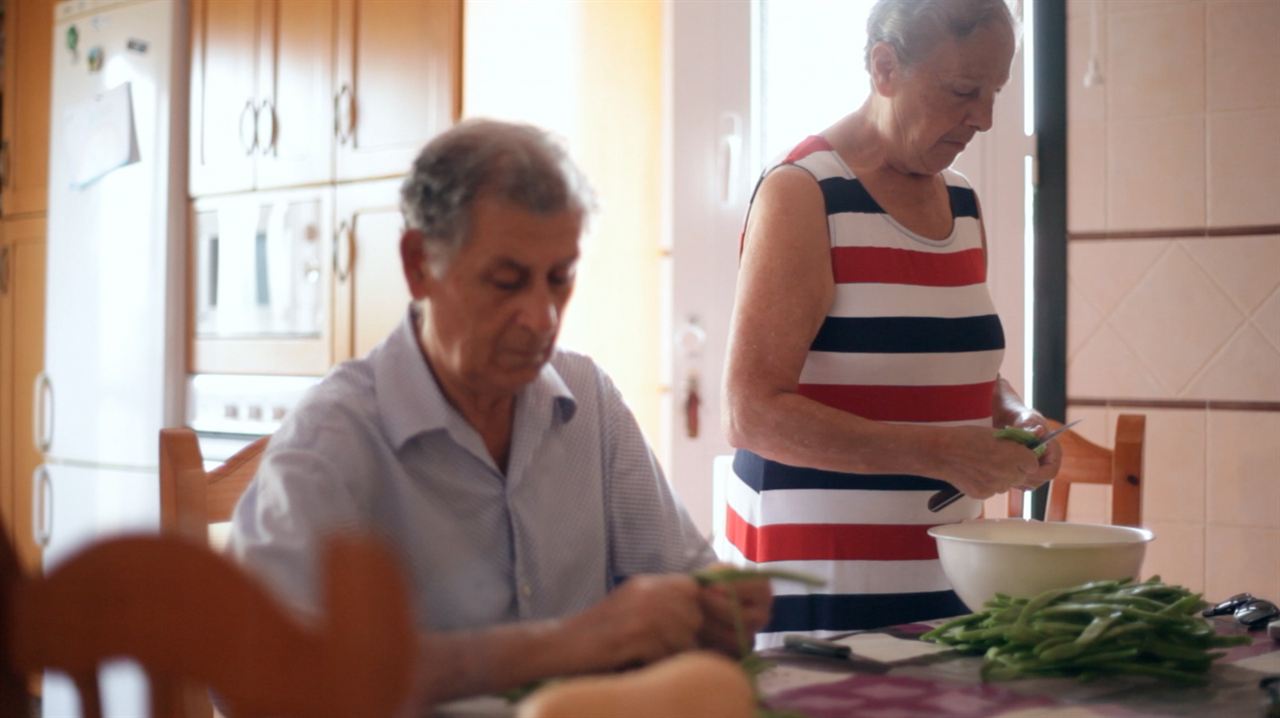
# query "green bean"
(1097, 628)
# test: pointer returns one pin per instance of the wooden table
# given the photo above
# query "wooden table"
(947, 685)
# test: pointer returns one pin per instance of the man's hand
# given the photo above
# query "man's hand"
(643, 620)
(753, 598)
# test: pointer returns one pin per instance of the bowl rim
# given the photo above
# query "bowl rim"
(1138, 536)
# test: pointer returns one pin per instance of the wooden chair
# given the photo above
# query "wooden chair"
(186, 613)
(190, 498)
(1085, 462)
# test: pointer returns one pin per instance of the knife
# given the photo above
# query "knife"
(945, 497)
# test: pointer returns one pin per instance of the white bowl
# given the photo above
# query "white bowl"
(1023, 558)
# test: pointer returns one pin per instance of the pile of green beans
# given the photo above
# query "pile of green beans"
(1094, 629)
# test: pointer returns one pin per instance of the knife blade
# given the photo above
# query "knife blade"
(945, 497)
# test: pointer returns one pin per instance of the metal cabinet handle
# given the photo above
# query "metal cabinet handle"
(265, 137)
(42, 413)
(4, 270)
(249, 144)
(42, 506)
(343, 114)
(344, 250)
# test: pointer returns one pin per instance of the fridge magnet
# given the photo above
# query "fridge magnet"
(95, 59)
(73, 42)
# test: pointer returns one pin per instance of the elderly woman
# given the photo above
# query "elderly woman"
(862, 374)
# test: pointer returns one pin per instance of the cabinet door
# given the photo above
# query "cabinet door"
(22, 284)
(28, 361)
(262, 283)
(370, 295)
(24, 147)
(295, 81)
(224, 60)
(398, 81)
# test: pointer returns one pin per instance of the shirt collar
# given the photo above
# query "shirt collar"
(410, 401)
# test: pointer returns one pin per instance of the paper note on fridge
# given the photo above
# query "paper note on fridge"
(100, 135)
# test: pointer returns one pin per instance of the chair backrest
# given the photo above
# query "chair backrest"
(190, 498)
(1085, 462)
(185, 613)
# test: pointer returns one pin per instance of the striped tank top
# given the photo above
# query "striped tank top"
(912, 338)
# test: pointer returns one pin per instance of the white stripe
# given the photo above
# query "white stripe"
(839, 506)
(858, 299)
(858, 229)
(923, 369)
(854, 577)
(822, 164)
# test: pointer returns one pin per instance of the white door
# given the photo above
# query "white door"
(113, 271)
(747, 81)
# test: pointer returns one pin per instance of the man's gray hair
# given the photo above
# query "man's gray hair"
(913, 27)
(518, 163)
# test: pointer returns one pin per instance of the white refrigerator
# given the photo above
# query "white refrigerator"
(114, 328)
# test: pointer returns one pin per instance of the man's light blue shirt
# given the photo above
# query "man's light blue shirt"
(376, 447)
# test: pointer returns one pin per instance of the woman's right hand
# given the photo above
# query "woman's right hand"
(973, 460)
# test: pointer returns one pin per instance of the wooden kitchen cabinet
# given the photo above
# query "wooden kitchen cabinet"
(261, 100)
(24, 142)
(296, 92)
(370, 294)
(22, 289)
(398, 81)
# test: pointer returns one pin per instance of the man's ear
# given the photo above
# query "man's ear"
(885, 69)
(413, 260)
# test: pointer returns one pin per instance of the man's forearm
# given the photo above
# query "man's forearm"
(457, 664)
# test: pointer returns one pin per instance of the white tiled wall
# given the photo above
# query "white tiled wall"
(1183, 133)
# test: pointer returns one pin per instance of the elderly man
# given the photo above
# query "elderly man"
(539, 534)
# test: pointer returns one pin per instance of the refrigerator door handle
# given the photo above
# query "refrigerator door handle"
(43, 413)
(42, 507)
(250, 113)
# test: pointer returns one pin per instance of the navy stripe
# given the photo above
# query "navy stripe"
(763, 475)
(847, 195)
(841, 194)
(909, 335)
(964, 203)
(854, 612)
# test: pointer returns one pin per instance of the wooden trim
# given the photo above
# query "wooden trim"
(1179, 233)
(1201, 404)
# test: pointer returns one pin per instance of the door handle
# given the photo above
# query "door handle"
(42, 506)
(4, 163)
(42, 413)
(344, 250)
(4, 270)
(251, 143)
(343, 114)
(265, 137)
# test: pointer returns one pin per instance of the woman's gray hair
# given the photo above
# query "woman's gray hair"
(913, 27)
(518, 163)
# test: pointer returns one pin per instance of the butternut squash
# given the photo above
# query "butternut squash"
(697, 684)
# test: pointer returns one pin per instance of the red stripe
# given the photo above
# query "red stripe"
(814, 143)
(951, 402)
(830, 542)
(888, 265)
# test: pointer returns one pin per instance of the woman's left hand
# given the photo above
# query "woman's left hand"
(1051, 459)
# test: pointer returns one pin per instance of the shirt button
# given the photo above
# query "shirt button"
(526, 590)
